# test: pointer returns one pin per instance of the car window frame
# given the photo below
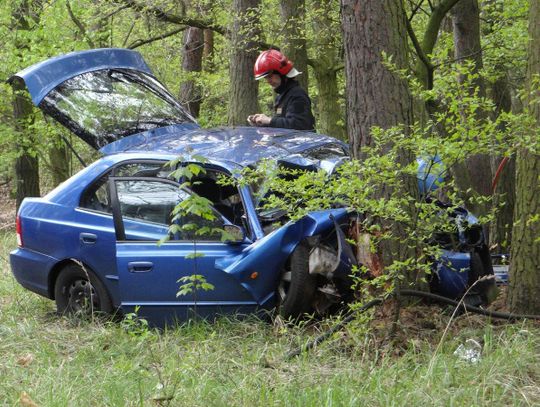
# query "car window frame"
(118, 218)
(112, 172)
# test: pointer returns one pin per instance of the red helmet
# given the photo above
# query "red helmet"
(273, 60)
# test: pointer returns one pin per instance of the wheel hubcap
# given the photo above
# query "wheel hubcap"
(82, 297)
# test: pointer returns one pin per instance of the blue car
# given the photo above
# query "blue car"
(91, 244)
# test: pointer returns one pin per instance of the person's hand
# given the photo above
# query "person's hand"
(259, 119)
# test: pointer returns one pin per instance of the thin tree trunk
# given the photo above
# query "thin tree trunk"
(325, 60)
(208, 50)
(505, 189)
(192, 53)
(504, 193)
(293, 13)
(244, 89)
(26, 163)
(475, 172)
(525, 255)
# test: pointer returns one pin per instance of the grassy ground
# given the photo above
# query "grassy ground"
(52, 361)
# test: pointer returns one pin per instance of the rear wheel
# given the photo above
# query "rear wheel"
(80, 292)
(296, 289)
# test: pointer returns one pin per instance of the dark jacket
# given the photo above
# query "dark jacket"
(292, 108)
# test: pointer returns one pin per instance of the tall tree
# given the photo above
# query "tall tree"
(244, 35)
(503, 169)
(293, 14)
(424, 48)
(525, 255)
(327, 62)
(475, 173)
(26, 164)
(377, 96)
(192, 53)
(371, 28)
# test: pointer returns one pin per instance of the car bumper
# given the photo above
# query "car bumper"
(31, 270)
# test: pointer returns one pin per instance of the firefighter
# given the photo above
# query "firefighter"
(292, 106)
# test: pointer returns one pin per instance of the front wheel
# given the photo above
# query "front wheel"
(79, 292)
(296, 288)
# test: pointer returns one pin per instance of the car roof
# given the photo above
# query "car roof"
(240, 145)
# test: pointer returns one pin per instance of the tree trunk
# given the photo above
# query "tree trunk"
(192, 53)
(60, 161)
(293, 15)
(500, 235)
(525, 255)
(475, 172)
(326, 59)
(375, 96)
(378, 97)
(244, 89)
(329, 110)
(26, 163)
(208, 50)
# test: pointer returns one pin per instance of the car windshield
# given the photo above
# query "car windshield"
(106, 105)
(325, 158)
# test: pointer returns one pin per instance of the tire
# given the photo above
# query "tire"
(297, 288)
(80, 292)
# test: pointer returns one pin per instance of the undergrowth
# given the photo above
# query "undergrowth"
(55, 361)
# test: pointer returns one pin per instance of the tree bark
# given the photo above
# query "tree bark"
(325, 61)
(192, 53)
(208, 50)
(293, 13)
(26, 163)
(500, 233)
(244, 88)
(525, 255)
(378, 97)
(475, 172)
(59, 160)
(375, 96)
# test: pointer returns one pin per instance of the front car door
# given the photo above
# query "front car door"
(149, 272)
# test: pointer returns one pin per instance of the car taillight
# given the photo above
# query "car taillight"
(19, 232)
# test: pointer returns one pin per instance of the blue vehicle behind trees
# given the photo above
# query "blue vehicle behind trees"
(92, 242)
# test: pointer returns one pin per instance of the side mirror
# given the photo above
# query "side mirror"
(234, 234)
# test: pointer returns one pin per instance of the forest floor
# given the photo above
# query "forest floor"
(428, 360)
(7, 211)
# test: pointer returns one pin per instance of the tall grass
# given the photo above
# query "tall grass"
(56, 361)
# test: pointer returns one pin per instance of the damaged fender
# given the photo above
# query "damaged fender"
(258, 267)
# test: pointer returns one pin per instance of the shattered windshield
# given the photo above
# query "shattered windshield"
(106, 105)
(271, 180)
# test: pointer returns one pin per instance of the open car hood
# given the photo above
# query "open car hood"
(102, 95)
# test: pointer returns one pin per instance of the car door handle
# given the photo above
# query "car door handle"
(140, 266)
(88, 238)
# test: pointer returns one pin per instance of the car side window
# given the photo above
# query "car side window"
(146, 208)
(97, 198)
(148, 200)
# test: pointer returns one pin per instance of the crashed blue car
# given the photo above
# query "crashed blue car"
(91, 243)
